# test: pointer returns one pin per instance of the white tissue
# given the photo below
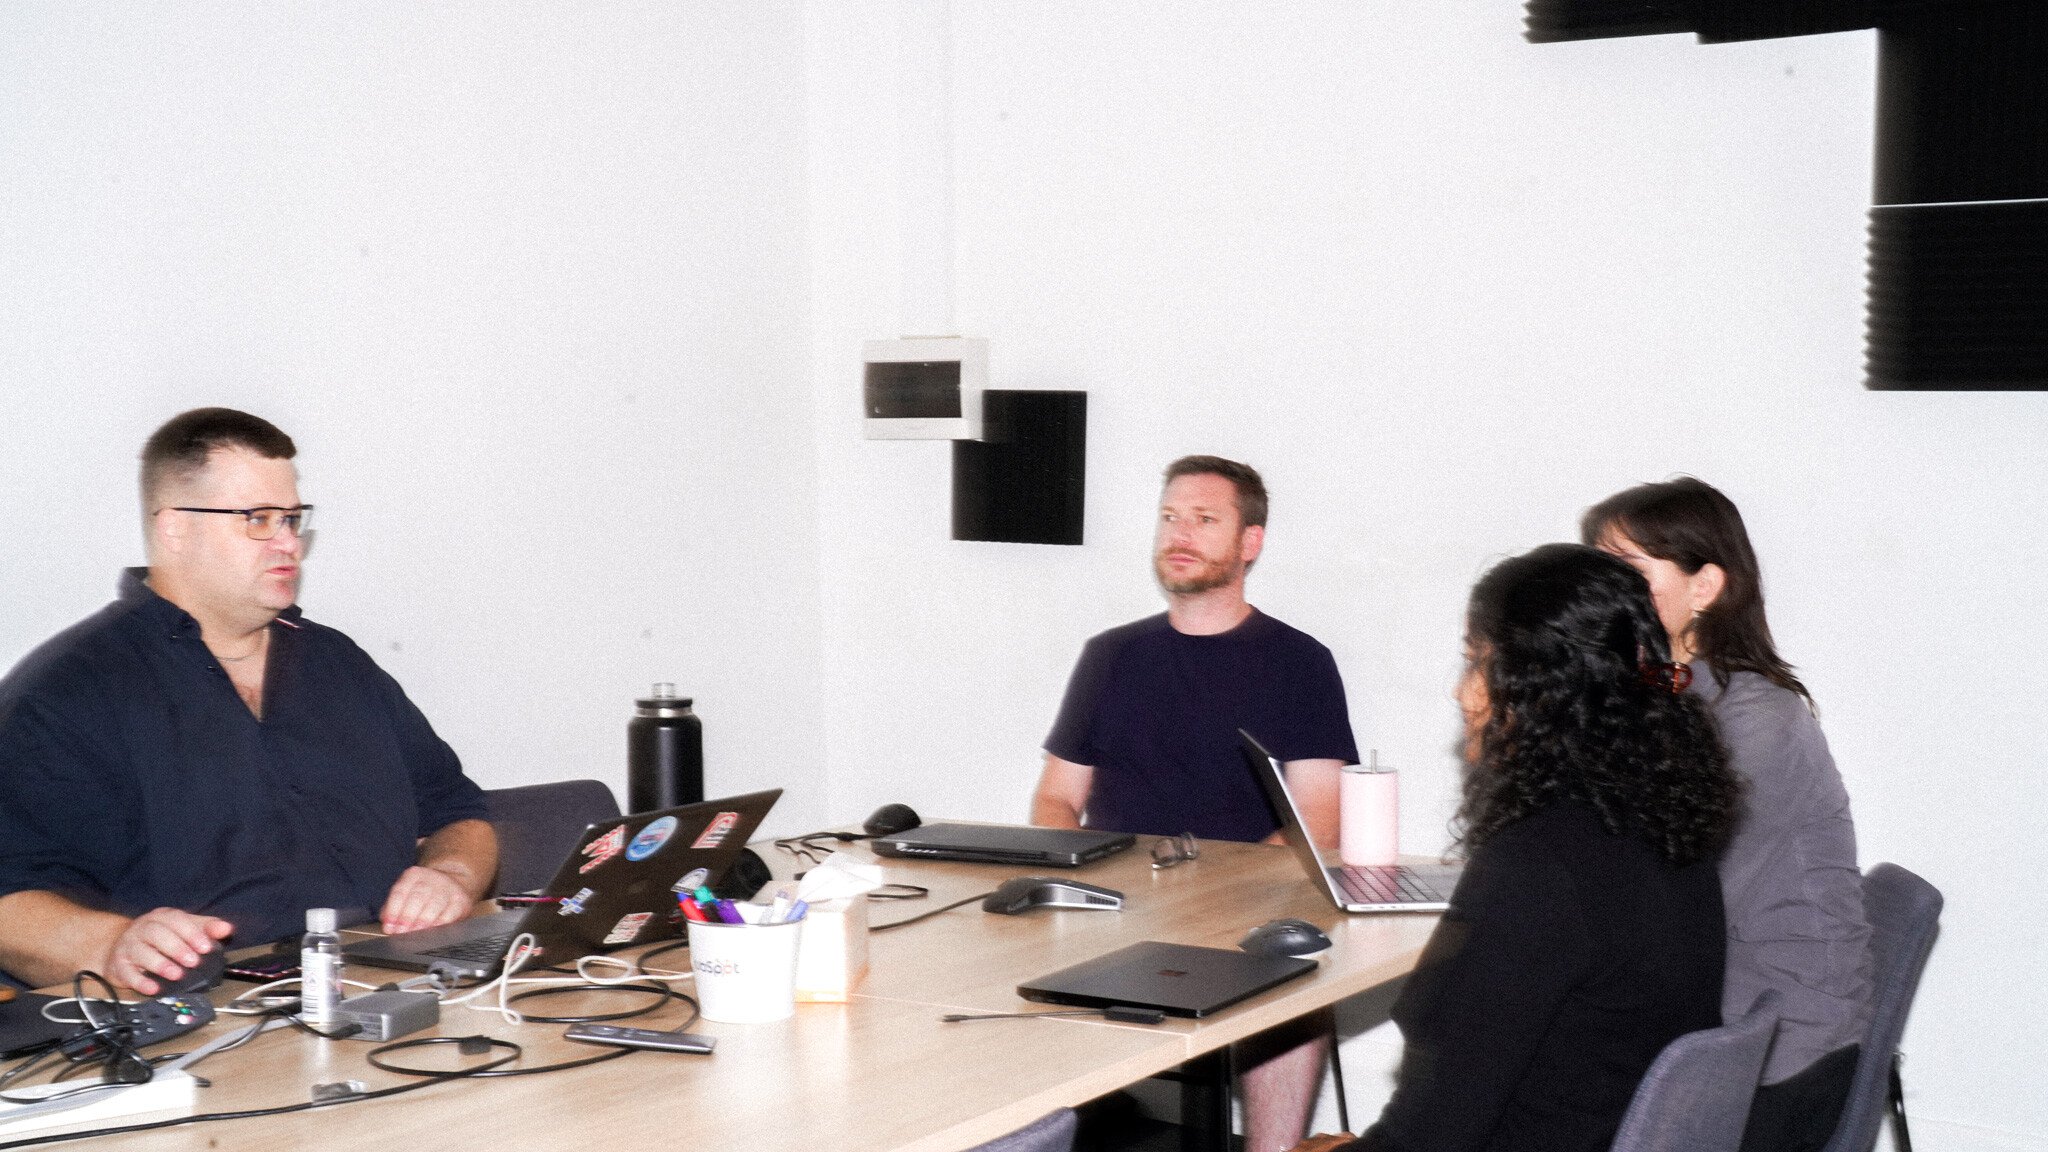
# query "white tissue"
(845, 873)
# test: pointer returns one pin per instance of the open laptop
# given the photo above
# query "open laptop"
(617, 887)
(1004, 844)
(1400, 888)
(1177, 979)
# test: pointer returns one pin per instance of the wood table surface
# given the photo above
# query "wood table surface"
(878, 1072)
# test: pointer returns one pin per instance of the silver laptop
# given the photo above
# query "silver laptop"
(1401, 888)
(618, 886)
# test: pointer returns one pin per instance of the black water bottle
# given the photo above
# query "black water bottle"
(664, 752)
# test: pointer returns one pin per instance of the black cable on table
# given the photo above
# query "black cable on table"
(661, 992)
(931, 913)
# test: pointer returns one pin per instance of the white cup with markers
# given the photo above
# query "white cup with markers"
(746, 973)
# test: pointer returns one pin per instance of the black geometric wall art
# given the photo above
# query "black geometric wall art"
(1958, 229)
(1025, 480)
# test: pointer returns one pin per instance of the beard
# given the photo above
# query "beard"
(1210, 573)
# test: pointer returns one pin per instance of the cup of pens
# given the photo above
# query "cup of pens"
(744, 956)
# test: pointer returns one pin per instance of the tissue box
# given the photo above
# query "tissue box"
(832, 956)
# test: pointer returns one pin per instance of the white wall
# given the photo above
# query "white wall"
(525, 282)
(563, 306)
(1445, 288)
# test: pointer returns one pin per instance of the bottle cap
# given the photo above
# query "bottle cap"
(320, 920)
(664, 702)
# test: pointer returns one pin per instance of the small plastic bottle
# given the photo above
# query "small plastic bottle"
(319, 969)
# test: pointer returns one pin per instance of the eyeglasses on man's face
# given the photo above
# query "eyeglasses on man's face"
(263, 523)
(1170, 850)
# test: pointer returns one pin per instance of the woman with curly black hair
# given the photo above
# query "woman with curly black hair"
(1586, 931)
(1789, 881)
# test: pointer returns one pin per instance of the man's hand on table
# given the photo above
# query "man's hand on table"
(424, 897)
(161, 945)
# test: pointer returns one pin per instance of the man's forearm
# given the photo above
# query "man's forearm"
(467, 851)
(45, 938)
(1053, 812)
(1314, 785)
(1062, 793)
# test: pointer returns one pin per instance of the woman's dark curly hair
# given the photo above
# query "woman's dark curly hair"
(1582, 706)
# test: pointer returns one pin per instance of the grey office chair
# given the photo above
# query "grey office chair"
(1904, 913)
(538, 824)
(1696, 1096)
(1053, 1132)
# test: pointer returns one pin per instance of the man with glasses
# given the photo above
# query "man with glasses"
(1146, 739)
(197, 763)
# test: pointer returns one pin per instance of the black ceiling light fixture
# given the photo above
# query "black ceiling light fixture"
(1958, 278)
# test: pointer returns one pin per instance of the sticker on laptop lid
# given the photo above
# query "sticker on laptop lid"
(651, 838)
(692, 880)
(721, 827)
(573, 905)
(604, 848)
(628, 927)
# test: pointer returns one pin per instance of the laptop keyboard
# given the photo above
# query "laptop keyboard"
(482, 951)
(1384, 886)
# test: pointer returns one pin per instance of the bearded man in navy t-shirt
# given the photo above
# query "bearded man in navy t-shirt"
(1146, 739)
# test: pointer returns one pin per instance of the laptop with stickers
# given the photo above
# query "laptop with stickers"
(617, 887)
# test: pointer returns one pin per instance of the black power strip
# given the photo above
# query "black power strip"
(136, 1025)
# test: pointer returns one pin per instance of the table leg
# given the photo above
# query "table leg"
(1205, 1103)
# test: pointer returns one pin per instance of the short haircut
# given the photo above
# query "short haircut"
(180, 448)
(1251, 491)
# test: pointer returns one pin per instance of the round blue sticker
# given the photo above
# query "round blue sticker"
(651, 838)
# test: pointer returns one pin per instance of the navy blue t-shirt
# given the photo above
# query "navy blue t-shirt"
(133, 777)
(1156, 713)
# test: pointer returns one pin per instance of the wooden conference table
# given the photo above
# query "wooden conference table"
(878, 1072)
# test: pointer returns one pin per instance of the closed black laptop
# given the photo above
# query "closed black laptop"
(1177, 979)
(1003, 844)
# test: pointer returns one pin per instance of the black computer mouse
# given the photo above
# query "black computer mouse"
(200, 977)
(1023, 893)
(890, 819)
(1284, 938)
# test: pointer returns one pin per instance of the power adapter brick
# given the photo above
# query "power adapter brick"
(389, 1013)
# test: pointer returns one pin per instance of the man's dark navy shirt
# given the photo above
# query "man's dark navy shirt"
(133, 777)
(1155, 712)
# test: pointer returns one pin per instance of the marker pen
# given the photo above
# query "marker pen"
(728, 913)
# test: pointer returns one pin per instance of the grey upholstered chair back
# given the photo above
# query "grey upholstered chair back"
(1904, 912)
(1695, 1097)
(1053, 1132)
(537, 825)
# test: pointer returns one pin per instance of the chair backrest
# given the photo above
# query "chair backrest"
(1695, 1097)
(1904, 912)
(537, 826)
(1053, 1132)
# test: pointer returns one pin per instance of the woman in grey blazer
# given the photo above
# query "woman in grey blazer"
(1789, 880)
